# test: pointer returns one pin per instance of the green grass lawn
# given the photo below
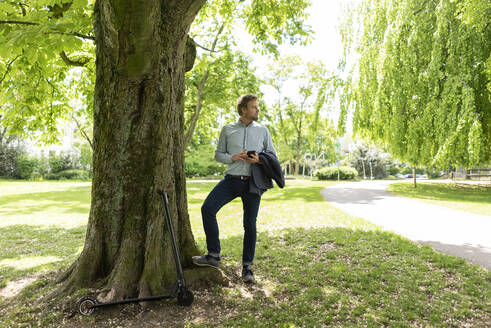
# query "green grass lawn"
(315, 266)
(459, 196)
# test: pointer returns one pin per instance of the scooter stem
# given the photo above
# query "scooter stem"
(180, 274)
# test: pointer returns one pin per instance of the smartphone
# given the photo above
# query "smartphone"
(250, 153)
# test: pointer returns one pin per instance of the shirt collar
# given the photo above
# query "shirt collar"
(253, 123)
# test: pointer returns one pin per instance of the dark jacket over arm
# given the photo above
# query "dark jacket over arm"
(263, 174)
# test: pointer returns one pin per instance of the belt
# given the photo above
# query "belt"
(241, 177)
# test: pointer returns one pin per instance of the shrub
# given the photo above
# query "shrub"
(201, 162)
(51, 176)
(409, 170)
(68, 175)
(28, 167)
(62, 162)
(8, 161)
(433, 174)
(393, 170)
(331, 173)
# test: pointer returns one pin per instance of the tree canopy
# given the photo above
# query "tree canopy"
(47, 57)
(41, 41)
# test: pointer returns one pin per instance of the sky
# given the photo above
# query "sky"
(324, 16)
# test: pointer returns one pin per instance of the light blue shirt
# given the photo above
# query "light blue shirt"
(236, 136)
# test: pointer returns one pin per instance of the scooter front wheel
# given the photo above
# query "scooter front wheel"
(85, 305)
(185, 297)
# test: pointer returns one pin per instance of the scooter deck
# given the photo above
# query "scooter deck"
(135, 300)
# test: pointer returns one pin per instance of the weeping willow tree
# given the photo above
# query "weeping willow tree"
(419, 85)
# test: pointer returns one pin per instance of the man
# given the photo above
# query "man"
(236, 139)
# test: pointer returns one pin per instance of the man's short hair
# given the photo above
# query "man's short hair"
(243, 101)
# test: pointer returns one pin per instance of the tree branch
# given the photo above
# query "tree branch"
(80, 35)
(190, 8)
(70, 62)
(8, 68)
(18, 23)
(82, 131)
(204, 48)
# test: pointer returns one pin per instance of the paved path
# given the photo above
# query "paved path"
(452, 232)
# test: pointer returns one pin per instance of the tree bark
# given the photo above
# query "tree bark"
(414, 177)
(142, 53)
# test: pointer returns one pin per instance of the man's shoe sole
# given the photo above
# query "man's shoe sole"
(249, 281)
(206, 265)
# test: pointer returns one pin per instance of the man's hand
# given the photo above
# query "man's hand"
(253, 159)
(240, 156)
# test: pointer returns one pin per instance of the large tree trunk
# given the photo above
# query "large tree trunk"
(142, 54)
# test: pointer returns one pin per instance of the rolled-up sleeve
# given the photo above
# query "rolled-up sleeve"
(268, 142)
(221, 154)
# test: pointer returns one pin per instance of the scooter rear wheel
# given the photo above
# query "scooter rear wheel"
(85, 305)
(185, 297)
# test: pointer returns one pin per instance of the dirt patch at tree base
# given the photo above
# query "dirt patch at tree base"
(210, 307)
(212, 304)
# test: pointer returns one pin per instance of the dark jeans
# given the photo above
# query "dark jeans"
(224, 192)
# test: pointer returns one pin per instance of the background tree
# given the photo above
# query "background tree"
(142, 52)
(222, 72)
(369, 161)
(420, 82)
(229, 75)
(315, 87)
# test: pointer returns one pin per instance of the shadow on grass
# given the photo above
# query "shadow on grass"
(26, 249)
(342, 277)
(75, 200)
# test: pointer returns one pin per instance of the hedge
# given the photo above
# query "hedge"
(68, 175)
(331, 173)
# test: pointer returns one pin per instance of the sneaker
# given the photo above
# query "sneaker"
(207, 260)
(248, 275)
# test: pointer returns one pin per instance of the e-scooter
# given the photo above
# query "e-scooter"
(185, 297)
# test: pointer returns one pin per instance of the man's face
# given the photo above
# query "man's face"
(252, 111)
